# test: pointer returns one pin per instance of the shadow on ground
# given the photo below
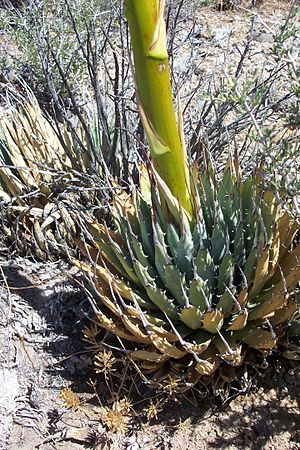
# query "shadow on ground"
(49, 311)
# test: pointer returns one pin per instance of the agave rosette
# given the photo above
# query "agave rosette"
(195, 291)
(42, 173)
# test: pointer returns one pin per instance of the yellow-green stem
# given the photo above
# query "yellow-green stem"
(154, 95)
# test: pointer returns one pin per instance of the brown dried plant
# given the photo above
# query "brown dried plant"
(70, 399)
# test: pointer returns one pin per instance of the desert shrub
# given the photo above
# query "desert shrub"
(40, 26)
(76, 69)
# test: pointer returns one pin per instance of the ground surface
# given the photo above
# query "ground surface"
(42, 313)
(42, 353)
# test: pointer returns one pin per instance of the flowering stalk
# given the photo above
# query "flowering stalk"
(154, 95)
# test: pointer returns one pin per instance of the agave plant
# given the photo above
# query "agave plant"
(200, 267)
(195, 291)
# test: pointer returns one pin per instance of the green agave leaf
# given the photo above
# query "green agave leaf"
(125, 260)
(143, 274)
(110, 255)
(205, 267)
(192, 317)
(162, 302)
(183, 330)
(200, 236)
(250, 265)
(219, 243)
(226, 187)
(162, 258)
(208, 220)
(157, 319)
(226, 270)
(226, 303)
(239, 250)
(157, 296)
(185, 249)
(175, 283)
(207, 198)
(158, 210)
(139, 253)
(172, 240)
(145, 220)
(197, 240)
(119, 258)
(199, 294)
(120, 287)
(229, 198)
(139, 297)
(248, 195)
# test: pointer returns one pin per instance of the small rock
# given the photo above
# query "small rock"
(198, 32)
(134, 446)
(198, 71)
(262, 37)
(181, 62)
(131, 439)
(36, 397)
(221, 36)
(131, 443)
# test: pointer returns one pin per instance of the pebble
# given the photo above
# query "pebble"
(262, 37)
(221, 36)
(134, 446)
(131, 443)
(131, 439)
